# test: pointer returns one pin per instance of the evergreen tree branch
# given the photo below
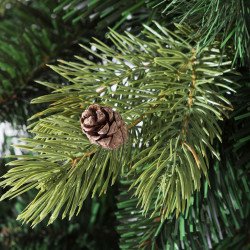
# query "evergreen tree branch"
(108, 12)
(215, 214)
(63, 178)
(218, 216)
(156, 79)
(224, 20)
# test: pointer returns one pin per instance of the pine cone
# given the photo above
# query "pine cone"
(104, 127)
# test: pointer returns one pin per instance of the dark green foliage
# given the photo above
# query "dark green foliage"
(135, 230)
(226, 21)
(27, 43)
(217, 212)
(239, 138)
(35, 33)
(109, 12)
(238, 241)
(93, 228)
(16, 109)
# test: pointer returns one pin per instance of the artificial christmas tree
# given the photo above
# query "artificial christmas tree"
(169, 97)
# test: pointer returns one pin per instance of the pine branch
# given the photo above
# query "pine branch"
(108, 12)
(215, 214)
(156, 79)
(42, 36)
(224, 20)
(64, 178)
(4, 4)
(218, 217)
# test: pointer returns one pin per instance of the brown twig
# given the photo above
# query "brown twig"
(87, 154)
(134, 123)
(193, 153)
(190, 94)
(4, 100)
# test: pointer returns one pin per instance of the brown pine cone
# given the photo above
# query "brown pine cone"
(104, 127)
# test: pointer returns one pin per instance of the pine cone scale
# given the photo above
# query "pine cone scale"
(90, 121)
(109, 113)
(101, 116)
(113, 129)
(105, 142)
(104, 130)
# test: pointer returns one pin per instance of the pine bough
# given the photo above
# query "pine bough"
(172, 97)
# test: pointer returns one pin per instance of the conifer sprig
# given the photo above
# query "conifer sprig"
(218, 215)
(171, 99)
(224, 20)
